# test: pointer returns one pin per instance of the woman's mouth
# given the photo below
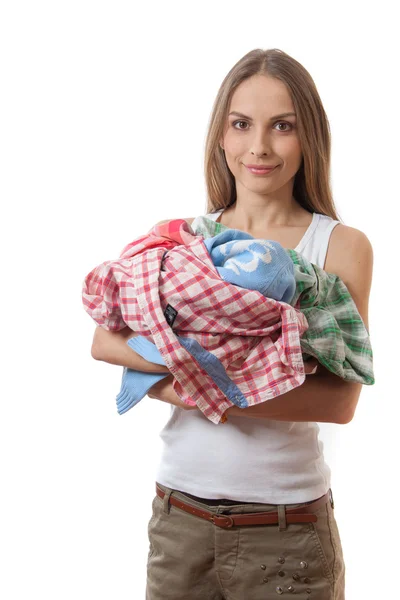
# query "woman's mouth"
(260, 171)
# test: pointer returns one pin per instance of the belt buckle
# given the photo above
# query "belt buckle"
(227, 521)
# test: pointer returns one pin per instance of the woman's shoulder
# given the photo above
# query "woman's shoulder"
(346, 243)
(350, 257)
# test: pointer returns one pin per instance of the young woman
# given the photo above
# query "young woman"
(244, 509)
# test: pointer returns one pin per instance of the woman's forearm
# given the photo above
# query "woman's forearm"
(324, 398)
(112, 347)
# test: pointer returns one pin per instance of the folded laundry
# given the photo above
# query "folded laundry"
(224, 344)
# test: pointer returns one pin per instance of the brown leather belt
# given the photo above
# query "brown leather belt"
(303, 514)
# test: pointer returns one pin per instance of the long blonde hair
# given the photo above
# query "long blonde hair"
(311, 188)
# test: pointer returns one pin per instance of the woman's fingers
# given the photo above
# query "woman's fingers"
(163, 390)
(311, 366)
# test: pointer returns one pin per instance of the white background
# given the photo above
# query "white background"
(104, 108)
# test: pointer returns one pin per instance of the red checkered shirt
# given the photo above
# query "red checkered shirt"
(257, 339)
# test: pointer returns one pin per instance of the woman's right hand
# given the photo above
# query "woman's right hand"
(163, 390)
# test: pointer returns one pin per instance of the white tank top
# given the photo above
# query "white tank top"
(252, 460)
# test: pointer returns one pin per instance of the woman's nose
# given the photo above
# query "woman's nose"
(260, 145)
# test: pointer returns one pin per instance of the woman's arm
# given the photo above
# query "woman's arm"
(324, 398)
(111, 347)
(163, 390)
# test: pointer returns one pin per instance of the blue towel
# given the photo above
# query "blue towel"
(261, 265)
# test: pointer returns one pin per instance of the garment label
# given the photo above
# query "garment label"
(170, 315)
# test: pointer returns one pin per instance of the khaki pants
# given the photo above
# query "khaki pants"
(192, 559)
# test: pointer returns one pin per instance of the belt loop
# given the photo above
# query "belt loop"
(166, 508)
(331, 498)
(282, 517)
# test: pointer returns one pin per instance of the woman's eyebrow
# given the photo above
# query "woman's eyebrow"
(288, 114)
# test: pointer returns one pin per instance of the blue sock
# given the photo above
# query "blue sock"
(136, 384)
(146, 349)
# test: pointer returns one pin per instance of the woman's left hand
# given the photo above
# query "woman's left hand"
(163, 390)
(312, 366)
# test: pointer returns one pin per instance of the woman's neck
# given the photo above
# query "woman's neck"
(272, 216)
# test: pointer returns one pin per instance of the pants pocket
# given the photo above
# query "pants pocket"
(326, 537)
(339, 565)
(321, 539)
(149, 527)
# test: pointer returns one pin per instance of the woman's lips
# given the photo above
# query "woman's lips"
(260, 171)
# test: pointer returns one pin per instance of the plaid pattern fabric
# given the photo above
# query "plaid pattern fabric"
(102, 298)
(257, 339)
(336, 334)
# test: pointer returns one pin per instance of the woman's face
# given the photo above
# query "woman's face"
(259, 135)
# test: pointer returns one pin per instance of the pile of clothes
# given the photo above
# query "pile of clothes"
(233, 318)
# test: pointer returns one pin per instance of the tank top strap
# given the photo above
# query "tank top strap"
(314, 245)
(214, 215)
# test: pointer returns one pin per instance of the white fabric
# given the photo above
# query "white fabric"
(252, 460)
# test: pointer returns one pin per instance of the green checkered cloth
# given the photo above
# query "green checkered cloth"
(336, 334)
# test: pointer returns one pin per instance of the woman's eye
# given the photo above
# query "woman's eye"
(284, 123)
(234, 124)
(279, 123)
